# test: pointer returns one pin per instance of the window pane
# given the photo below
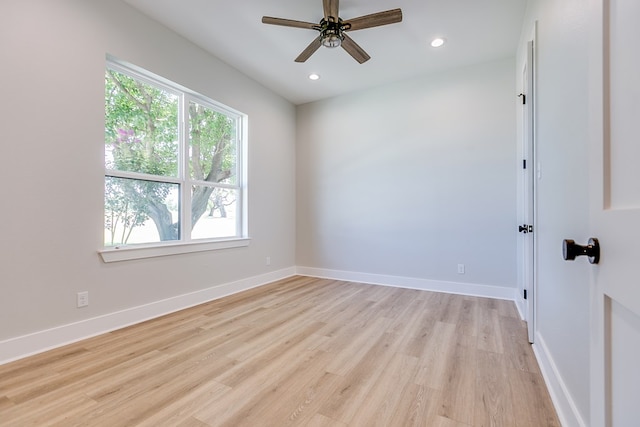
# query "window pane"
(212, 145)
(141, 127)
(137, 211)
(214, 212)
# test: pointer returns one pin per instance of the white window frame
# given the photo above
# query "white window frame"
(185, 244)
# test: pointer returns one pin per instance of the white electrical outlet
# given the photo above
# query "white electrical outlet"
(83, 299)
(267, 261)
(460, 268)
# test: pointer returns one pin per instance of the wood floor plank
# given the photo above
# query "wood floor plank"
(352, 353)
(46, 405)
(47, 412)
(417, 403)
(182, 409)
(437, 353)
(352, 306)
(517, 347)
(469, 315)
(266, 354)
(24, 376)
(490, 334)
(507, 309)
(289, 400)
(408, 319)
(5, 403)
(395, 303)
(459, 393)
(531, 401)
(320, 420)
(417, 330)
(439, 421)
(132, 400)
(493, 406)
(451, 310)
(189, 422)
(244, 400)
(297, 352)
(380, 406)
(357, 384)
(303, 406)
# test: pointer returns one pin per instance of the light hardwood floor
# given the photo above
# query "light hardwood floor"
(298, 352)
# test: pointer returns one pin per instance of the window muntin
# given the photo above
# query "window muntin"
(166, 182)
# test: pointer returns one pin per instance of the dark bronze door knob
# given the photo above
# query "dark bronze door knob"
(571, 250)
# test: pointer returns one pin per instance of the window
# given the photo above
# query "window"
(173, 164)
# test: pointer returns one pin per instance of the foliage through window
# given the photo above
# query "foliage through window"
(172, 162)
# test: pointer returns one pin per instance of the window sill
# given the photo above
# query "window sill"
(126, 253)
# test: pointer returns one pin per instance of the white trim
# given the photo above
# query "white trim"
(38, 342)
(125, 253)
(565, 406)
(472, 289)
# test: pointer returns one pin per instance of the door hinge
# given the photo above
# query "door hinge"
(524, 98)
(524, 228)
(525, 294)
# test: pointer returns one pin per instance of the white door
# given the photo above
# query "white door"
(528, 191)
(615, 211)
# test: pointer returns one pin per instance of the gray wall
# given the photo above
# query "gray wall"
(562, 297)
(52, 142)
(412, 178)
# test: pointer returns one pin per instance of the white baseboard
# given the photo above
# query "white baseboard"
(565, 406)
(27, 345)
(471, 289)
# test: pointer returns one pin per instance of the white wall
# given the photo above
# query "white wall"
(562, 297)
(412, 178)
(51, 149)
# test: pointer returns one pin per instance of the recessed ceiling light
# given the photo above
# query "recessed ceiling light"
(437, 42)
(314, 76)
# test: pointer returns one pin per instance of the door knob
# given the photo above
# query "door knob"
(570, 250)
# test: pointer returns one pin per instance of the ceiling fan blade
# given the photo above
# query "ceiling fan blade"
(313, 46)
(289, 23)
(331, 10)
(354, 49)
(373, 20)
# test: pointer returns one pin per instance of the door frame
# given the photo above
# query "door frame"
(528, 188)
(598, 388)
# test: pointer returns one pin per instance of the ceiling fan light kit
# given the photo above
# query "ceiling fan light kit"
(331, 34)
(333, 30)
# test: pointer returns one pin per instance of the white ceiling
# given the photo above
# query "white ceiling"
(475, 31)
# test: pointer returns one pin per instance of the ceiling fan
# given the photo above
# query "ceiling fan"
(333, 30)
